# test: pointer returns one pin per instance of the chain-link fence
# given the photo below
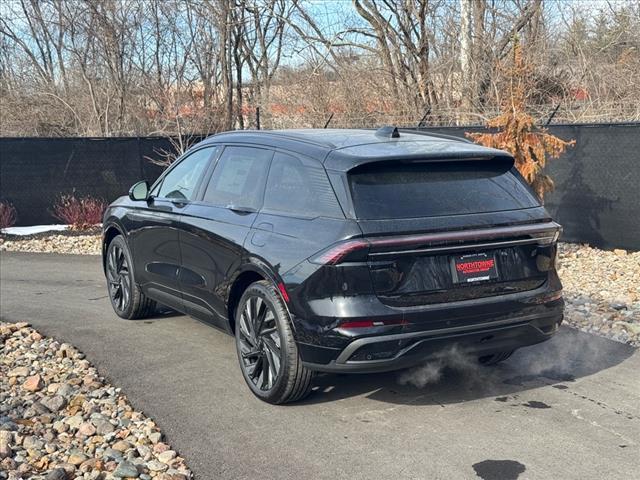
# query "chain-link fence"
(565, 112)
(596, 197)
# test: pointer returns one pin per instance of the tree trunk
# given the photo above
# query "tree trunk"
(226, 63)
(466, 59)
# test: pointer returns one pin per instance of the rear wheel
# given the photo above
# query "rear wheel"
(267, 352)
(495, 358)
(127, 299)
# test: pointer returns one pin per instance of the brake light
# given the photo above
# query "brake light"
(335, 254)
(372, 323)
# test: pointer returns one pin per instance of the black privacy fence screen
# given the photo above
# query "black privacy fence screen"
(596, 199)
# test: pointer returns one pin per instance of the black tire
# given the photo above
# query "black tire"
(265, 344)
(127, 299)
(495, 358)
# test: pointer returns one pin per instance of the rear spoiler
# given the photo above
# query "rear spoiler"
(419, 131)
(345, 161)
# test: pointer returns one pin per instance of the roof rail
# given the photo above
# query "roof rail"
(281, 134)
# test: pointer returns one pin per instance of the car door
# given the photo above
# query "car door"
(300, 213)
(154, 235)
(214, 230)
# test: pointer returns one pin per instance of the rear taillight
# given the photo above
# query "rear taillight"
(341, 251)
(358, 249)
(548, 238)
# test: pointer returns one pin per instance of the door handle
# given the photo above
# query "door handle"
(240, 209)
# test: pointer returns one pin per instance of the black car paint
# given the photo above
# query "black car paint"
(153, 236)
(191, 256)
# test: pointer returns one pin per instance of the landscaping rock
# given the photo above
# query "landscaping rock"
(19, 372)
(33, 383)
(59, 243)
(54, 403)
(77, 457)
(601, 291)
(60, 420)
(156, 466)
(56, 474)
(103, 427)
(86, 429)
(166, 457)
(121, 446)
(125, 469)
(5, 444)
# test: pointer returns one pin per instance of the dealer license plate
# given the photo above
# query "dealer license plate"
(474, 267)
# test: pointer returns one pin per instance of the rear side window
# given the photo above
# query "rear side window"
(392, 190)
(239, 177)
(297, 189)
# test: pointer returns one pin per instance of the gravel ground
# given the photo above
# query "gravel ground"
(59, 420)
(601, 287)
(68, 242)
(602, 291)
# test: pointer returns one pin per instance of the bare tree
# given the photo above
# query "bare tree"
(263, 24)
(466, 54)
(175, 67)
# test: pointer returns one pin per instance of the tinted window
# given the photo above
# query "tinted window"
(182, 180)
(433, 189)
(238, 178)
(299, 189)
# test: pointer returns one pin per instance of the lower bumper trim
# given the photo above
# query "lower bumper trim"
(490, 337)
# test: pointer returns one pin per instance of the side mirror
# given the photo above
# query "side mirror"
(140, 191)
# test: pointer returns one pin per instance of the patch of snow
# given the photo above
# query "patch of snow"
(34, 229)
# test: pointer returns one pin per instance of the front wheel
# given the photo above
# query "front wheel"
(267, 352)
(127, 299)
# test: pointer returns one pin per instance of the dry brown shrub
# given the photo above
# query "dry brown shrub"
(517, 132)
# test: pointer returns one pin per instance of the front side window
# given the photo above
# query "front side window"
(181, 182)
(238, 179)
(297, 189)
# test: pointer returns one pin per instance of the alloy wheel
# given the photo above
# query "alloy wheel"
(119, 278)
(260, 343)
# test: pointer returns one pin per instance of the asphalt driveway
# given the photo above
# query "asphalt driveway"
(567, 409)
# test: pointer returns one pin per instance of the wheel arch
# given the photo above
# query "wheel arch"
(110, 231)
(252, 272)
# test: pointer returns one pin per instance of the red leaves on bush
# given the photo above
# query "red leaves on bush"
(80, 213)
(8, 215)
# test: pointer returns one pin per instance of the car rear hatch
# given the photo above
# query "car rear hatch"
(444, 267)
(442, 231)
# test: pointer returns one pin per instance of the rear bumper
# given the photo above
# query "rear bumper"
(404, 350)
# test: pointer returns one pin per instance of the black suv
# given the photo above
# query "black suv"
(339, 251)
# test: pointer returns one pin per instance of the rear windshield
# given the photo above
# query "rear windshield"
(382, 191)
